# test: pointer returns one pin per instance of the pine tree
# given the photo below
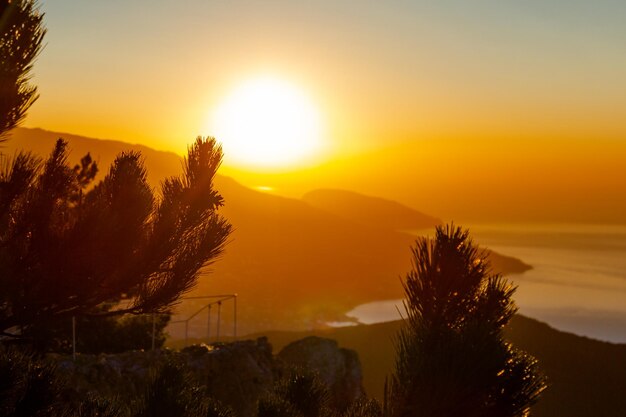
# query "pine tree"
(452, 359)
(21, 37)
(70, 250)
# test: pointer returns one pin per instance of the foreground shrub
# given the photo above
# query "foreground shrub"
(28, 385)
(452, 359)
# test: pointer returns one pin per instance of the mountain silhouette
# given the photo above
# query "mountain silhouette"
(370, 211)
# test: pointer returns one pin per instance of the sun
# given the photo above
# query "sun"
(267, 122)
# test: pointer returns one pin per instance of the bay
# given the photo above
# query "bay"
(577, 284)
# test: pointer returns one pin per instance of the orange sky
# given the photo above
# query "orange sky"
(532, 92)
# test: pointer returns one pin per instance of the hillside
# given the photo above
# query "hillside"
(161, 164)
(294, 266)
(586, 376)
(371, 211)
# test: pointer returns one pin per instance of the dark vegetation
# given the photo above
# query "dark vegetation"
(586, 377)
(28, 386)
(297, 394)
(100, 334)
(58, 238)
(451, 356)
(21, 37)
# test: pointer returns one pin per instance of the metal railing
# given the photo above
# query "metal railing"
(218, 300)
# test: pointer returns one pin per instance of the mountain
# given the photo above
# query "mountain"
(293, 265)
(161, 164)
(474, 180)
(370, 211)
(586, 377)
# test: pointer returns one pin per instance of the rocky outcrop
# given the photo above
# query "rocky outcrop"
(339, 368)
(236, 374)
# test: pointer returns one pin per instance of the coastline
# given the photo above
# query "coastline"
(577, 282)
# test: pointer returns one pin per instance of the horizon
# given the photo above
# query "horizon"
(517, 202)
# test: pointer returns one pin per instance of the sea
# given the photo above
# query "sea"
(577, 282)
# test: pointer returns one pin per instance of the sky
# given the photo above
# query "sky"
(511, 84)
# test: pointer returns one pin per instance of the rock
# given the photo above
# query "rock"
(339, 368)
(236, 374)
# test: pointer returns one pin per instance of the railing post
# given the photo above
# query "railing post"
(186, 332)
(219, 311)
(74, 338)
(220, 299)
(208, 325)
(235, 317)
(153, 330)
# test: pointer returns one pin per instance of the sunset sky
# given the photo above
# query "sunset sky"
(531, 90)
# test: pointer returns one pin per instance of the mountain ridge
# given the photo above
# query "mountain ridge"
(373, 211)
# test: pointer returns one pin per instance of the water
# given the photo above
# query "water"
(577, 284)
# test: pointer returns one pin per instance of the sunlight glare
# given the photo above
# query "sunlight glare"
(267, 122)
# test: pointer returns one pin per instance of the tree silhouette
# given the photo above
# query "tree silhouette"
(67, 249)
(112, 334)
(21, 36)
(452, 359)
(299, 393)
(29, 386)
